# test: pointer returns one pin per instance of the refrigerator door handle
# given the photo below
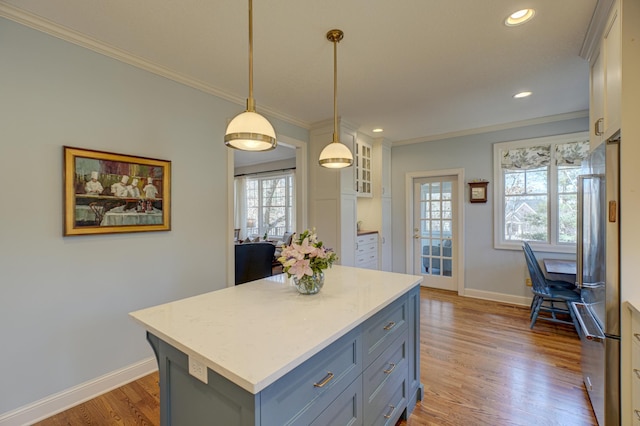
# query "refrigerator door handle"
(590, 328)
(580, 236)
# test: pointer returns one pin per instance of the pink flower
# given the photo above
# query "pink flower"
(301, 268)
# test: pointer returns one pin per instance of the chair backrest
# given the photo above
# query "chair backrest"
(538, 281)
(253, 261)
(287, 237)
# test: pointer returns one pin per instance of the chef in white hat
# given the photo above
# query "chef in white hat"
(133, 190)
(119, 189)
(150, 191)
(93, 187)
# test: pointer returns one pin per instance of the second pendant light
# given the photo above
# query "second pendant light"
(336, 155)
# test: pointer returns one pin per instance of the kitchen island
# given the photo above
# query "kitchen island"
(262, 354)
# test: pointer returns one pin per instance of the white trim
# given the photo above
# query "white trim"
(409, 177)
(497, 297)
(495, 128)
(51, 28)
(71, 397)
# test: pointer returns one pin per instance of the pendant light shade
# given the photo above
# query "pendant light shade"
(336, 155)
(250, 131)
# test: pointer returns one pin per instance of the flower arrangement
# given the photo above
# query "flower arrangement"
(306, 256)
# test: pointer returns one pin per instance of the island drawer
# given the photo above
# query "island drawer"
(346, 409)
(388, 412)
(383, 328)
(302, 394)
(380, 380)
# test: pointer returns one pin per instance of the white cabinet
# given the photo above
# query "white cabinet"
(635, 364)
(606, 83)
(331, 193)
(367, 250)
(363, 169)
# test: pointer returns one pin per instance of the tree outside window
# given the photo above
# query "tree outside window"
(269, 205)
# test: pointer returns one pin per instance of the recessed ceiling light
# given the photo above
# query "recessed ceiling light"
(378, 130)
(519, 17)
(522, 95)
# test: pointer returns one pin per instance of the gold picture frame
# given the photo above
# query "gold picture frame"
(108, 193)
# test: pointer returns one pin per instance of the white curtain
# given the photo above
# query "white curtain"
(240, 201)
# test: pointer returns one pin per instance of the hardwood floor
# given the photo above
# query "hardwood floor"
(480, 365)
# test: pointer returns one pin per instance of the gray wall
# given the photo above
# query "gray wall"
(64, 300)
(486, 269)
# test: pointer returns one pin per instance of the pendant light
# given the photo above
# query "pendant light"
(335, 155)
(249, 131)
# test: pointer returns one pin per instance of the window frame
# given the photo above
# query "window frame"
(289, 196)
(553, 246)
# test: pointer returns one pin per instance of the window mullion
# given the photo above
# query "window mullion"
(552, 194)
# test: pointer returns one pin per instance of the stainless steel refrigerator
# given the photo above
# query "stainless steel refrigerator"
(598, 276)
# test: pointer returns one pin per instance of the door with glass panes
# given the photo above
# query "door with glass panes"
(434, 236)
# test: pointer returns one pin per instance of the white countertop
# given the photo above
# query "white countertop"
(255, 333)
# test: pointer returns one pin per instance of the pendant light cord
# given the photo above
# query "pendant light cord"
(250, 101)
(335, 91)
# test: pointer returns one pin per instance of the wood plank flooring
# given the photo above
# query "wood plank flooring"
(480, 365)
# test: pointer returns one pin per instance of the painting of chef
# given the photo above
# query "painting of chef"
(113, 193)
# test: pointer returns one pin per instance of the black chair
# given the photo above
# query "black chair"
(553, 283)
(253, 261)
(553, 300)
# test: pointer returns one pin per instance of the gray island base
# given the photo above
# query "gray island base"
(355, 359)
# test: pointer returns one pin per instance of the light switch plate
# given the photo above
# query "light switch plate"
(198, 370)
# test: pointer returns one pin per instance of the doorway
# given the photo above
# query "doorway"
(300, 197)
(435, 228)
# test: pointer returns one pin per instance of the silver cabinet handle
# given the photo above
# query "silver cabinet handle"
(389, 326)
(390, 412)
(596, 127)
(325, 380)
(393, 367)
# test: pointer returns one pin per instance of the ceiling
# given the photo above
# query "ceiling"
(420, 69)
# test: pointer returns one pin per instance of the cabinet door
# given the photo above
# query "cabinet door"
(596, 113)
(613, 75)
(363, 169)
(385, 171)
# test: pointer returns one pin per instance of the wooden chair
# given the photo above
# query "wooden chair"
(553, 300)
(253, 261)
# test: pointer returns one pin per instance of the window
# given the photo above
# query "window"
(265, 204)
(536, 191)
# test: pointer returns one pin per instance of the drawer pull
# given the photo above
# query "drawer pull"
(325, 380)
(637, 336)
(635, 370)
(637, 412)
(390, 326)
(392, 408)
(393, 367)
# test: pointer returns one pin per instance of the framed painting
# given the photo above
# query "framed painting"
(107, 193)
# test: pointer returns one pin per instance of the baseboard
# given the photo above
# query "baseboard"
(497, 297)
(71, 397)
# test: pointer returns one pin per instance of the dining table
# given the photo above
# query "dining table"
(560, 269)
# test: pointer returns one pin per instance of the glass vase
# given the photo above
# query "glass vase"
(309, 284)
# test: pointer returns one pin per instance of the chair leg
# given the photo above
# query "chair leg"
(536, 310)
(533, 302)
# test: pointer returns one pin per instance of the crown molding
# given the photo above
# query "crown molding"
(495, 128)
(591, 42)
(51, 28)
